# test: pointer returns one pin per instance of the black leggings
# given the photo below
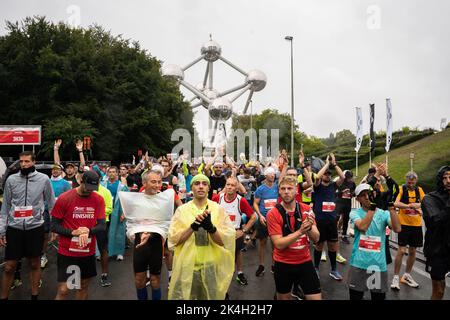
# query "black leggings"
(344, 210)
(359, 295)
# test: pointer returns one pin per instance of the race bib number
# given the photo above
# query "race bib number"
(270, 203)
(411, 212)
(23, 212)
(370, 243)
(75, 247)
(328, 206)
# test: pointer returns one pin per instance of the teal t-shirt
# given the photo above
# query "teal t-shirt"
(369, 248)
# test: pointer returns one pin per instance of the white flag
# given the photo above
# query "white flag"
(359, 129)
(389, 124)
(146, 213)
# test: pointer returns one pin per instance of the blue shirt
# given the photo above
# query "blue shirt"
(324, 199)
(112, 187)
(60, 186)
(268, 197)
(369, 248)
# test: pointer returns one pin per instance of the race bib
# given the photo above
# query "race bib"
(411, 212)
(328, 206)
(75, 247)
(24, 212)
(370, 243)
(270, 203)
(300, 244)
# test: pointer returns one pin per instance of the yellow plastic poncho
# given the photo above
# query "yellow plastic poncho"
(202, 270)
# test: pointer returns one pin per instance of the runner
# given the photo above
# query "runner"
(59, 186)
(116, 232)
(22, 221)
(217, 178)
(148, 217)
(436, 214)
(266, 197)
(236, 206)
(346, 191)
(324, 198)
(410, 214)
(203, 239)
(291, 226)
(368, 268)
(102, 236)
(77, 217)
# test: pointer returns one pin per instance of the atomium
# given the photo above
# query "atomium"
(219, 107)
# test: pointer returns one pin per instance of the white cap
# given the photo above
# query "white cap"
(361, 188)
(269, 170)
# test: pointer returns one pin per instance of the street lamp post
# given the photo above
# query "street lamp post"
(291, 39)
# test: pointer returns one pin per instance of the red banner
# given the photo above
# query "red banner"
(20, 135)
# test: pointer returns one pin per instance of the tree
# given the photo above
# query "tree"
(54, 72)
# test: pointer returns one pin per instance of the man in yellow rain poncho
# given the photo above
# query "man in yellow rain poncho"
(203, 239)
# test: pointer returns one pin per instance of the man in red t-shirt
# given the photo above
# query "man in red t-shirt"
(291, 227)
(77, 217)
(236, 205)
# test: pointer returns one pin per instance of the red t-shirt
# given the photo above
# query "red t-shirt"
(76, 211)
(296, 253)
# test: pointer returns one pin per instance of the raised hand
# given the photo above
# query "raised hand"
(58, 143)
(79, 145)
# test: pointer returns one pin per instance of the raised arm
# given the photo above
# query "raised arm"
(56, 147)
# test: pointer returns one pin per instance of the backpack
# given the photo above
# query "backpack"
(286, 223)
(405, 194)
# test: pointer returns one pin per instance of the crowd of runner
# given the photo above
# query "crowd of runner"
(199, 216)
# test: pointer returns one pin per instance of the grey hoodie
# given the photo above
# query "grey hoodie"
(31, 190)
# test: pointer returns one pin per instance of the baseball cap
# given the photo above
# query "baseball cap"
(362, 187)
(70, 165)
(57, 166)
(91, 180)
(269, 170)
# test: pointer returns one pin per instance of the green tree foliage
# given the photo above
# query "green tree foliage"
(78, 82)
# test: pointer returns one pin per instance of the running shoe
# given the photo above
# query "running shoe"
(407, 279)
(17, 283)
(44, 261)
(324, 256)
(241, 279)
(272, 269)
(395, 283)
(340, 258)
(104, 281)
(335, 275)
(345, 239)
(119, 257)
(260, 271)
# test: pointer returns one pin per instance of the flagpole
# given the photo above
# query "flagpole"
(356, 164)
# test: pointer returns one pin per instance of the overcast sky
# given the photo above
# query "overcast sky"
(347, 53)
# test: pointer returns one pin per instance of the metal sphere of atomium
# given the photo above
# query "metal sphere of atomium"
(257, 79)
(211, 50)
(173, 71)
(220, 109)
